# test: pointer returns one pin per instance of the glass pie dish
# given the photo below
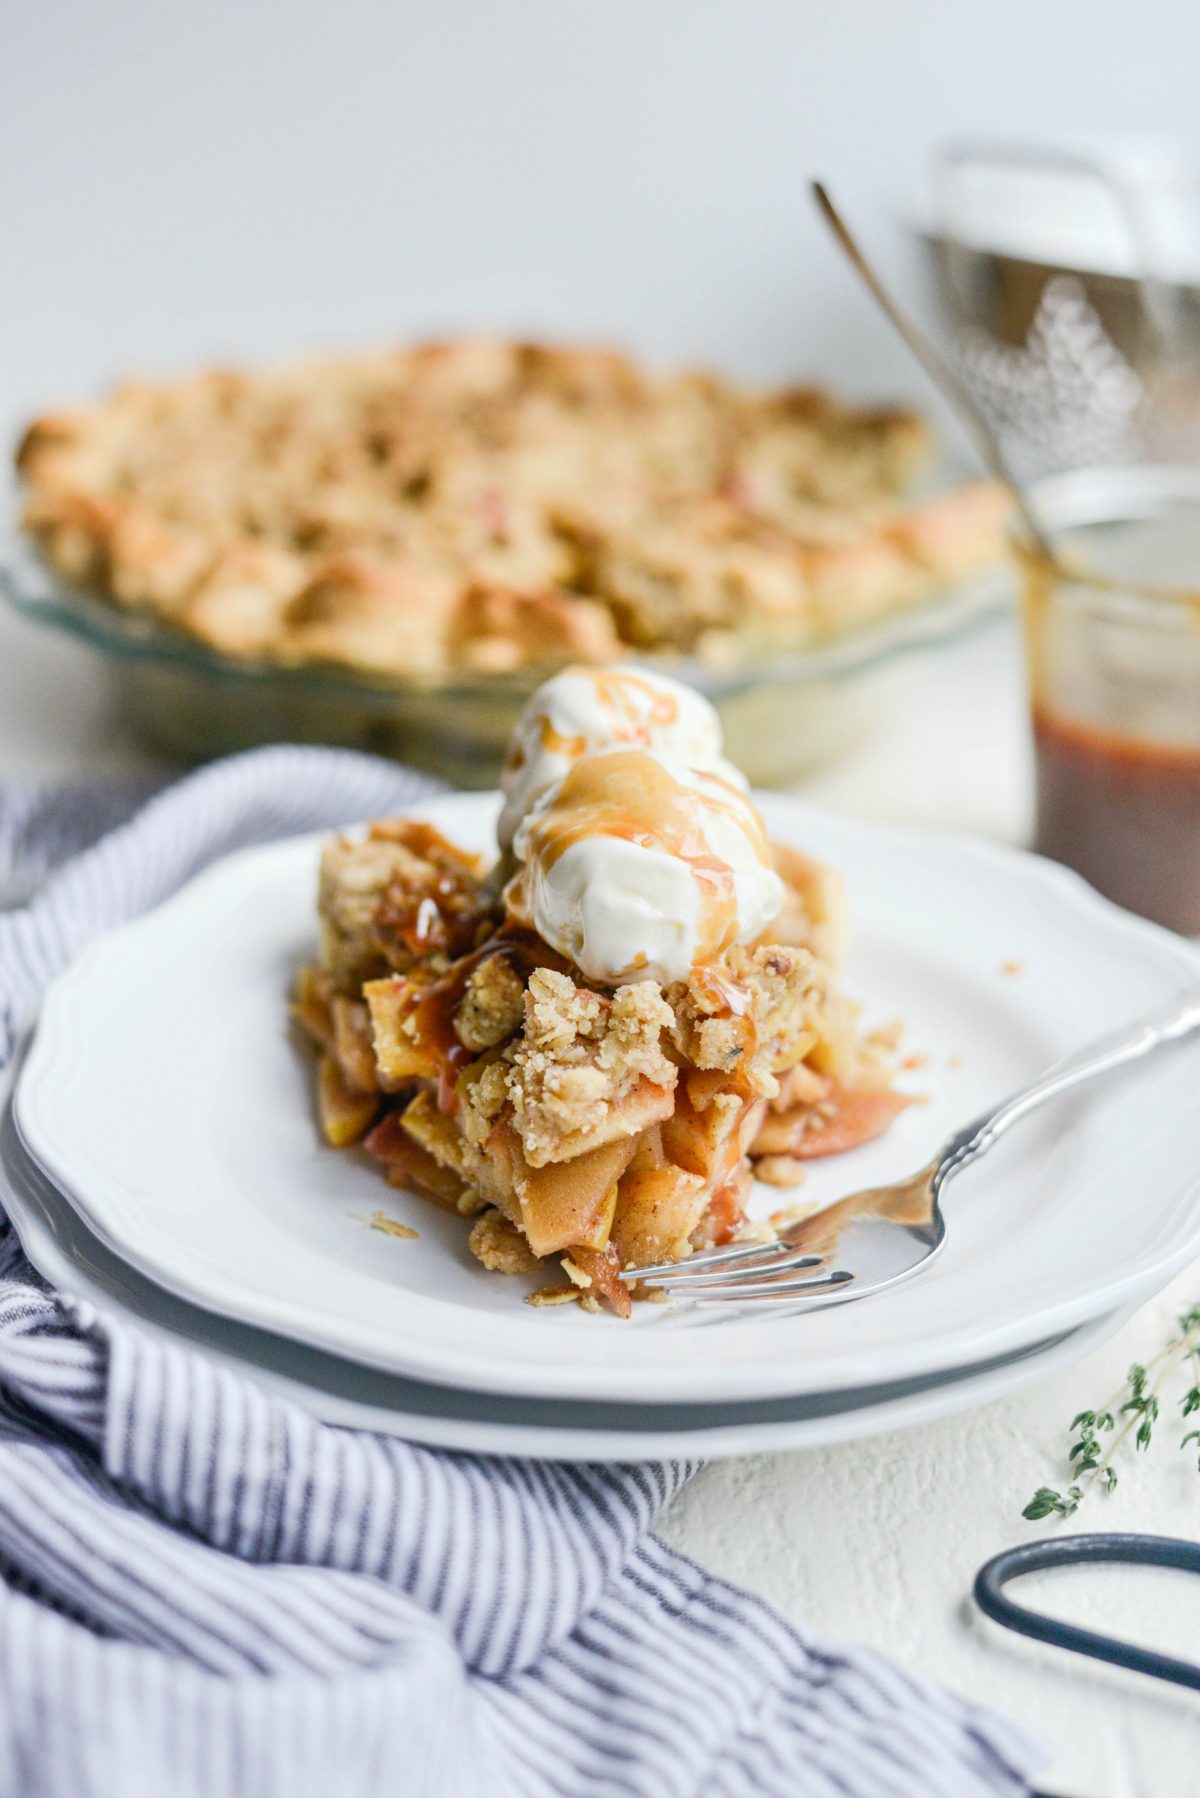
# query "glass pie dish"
(782, 714)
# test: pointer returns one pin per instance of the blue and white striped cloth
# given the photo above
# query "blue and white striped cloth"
(206, 1592)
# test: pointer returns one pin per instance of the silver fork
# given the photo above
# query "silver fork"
(884, 1234)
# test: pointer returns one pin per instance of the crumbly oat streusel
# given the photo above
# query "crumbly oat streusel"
(485, 506)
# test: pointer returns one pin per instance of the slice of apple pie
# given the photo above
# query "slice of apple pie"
(593, 1045)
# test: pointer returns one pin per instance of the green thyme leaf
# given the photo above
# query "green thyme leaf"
(1133, 1411)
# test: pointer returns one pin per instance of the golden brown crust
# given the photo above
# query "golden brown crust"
(486, 507)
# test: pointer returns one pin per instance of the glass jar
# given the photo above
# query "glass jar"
(1113, 651)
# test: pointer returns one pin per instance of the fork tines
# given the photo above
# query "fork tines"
(746, 1271)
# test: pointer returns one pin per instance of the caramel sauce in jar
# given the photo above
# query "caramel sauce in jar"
(1112, 637)
(1124, 813)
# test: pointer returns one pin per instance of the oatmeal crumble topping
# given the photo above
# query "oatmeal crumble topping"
(501, 1246)
(484, 507)
(493, 1005)
(588, 1068)
(398, 898)
(780, 1170)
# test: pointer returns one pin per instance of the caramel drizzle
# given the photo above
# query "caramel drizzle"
(618, 693)
(440, 916)
(435, 1011)
(627, 794)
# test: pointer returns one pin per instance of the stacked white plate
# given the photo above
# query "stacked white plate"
(161, 1158)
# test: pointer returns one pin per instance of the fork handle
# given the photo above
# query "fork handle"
(1168, 1024)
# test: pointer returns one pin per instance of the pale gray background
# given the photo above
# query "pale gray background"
(218, 180)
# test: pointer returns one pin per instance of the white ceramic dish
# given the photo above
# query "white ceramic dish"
(166, 1098)
(62, 1248)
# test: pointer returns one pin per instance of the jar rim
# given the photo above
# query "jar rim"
(1112, 495)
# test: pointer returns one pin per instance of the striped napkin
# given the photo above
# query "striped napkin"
(208, 1594)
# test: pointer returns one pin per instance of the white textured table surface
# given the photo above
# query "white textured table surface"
(879, 1541)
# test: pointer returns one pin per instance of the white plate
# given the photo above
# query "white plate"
(344, 1393)
(166, 1097)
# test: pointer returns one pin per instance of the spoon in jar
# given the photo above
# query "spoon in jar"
(941, 374)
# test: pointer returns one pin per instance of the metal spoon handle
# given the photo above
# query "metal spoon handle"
(1178, 1019)
(936, 367)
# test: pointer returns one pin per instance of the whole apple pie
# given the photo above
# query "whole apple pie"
(479, 507)
(594, 1045)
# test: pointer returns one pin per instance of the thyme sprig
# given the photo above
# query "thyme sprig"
(1133, 1410)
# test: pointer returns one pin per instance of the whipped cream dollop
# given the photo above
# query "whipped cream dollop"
(585, 709)
(635, 860)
